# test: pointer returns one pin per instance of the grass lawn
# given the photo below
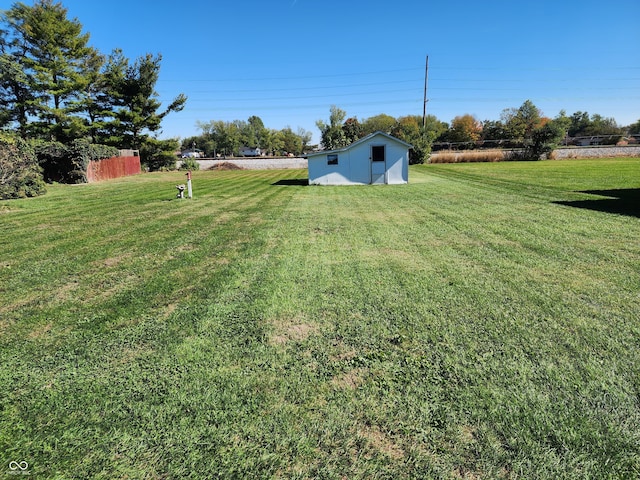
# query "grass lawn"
(481, 322)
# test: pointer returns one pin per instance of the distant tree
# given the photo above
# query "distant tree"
(200, 142)
(332, 135)
(268, 140)
(583, 125)
(409, 129)
(634, 128)
(605, 126)
(545, 139)
(225, 135)
(275, 142)
(253, 132)
(563, 121)
(188, 142)
(352, 130)
(205, 142)
(579, 124)
(465, 129)
(520, 122)
(291, 143)
(434, 128)
(381, 122)
(493, 133)
(305, 138)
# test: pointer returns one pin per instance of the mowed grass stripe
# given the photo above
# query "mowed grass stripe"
(113, 235)
(440, 329)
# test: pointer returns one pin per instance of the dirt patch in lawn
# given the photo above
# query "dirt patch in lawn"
(381, 442)
(291, 331)
(350, 380)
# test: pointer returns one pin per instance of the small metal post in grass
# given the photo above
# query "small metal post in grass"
(189, 190)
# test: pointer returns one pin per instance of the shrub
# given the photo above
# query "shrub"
(159, 154)
(161, 161)
(51, 157)
(68, 164)
(20, 174)
(543, 141)
(189, 164)
(80, 153)
(420, 151)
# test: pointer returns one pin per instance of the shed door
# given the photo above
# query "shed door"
(378, 164)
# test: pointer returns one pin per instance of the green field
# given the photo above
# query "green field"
(481, 322)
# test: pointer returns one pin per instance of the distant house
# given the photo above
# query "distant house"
(250, 152)
(375, 159)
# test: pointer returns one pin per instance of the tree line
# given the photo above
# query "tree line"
(517, 125)
(220, 138)
(223, 138)
(524, 128)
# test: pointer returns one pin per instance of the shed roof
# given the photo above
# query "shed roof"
(358, 142)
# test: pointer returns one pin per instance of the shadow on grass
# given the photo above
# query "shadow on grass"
(623, 202)
(293, 182)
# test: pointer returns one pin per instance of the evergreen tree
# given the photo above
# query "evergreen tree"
(16, 98)
(52, 51)
(130, 90)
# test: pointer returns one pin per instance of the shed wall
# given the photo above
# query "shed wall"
(354, 164)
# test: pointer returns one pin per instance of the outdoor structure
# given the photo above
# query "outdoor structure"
(375, 159)
(127, 163)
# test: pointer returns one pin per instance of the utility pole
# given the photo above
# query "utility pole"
(424, 106)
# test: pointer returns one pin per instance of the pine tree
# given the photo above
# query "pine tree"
(130, 89)
(53, 52)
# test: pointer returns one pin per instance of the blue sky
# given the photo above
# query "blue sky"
(288, 61)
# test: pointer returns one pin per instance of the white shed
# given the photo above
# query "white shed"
(375, 159)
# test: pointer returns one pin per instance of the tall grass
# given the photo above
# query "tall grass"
(471, 156)
(467, 325)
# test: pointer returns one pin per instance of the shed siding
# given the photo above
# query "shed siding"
(397, 164)
(322, 174)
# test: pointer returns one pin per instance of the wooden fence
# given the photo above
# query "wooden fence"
(113, 167)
